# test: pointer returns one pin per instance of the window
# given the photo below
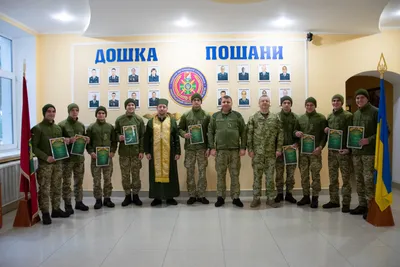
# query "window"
(7, 96)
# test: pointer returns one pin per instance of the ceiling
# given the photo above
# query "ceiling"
(100, 18)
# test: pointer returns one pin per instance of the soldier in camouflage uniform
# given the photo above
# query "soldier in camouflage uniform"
(49, 174)
(339, 119)
(101, 134)
(74, 164)
(289, 120)
(227, 141)
(364, 158)
(193, 152)
(311, 123)
(130, 156)
(264, 144)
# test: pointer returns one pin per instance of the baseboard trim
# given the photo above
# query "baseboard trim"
(396, 185)
(243, 193)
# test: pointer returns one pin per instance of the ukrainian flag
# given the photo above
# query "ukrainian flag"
(383, 177)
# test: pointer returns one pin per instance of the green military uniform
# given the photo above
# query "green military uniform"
(49, 175)
(312, 124)
(74, 164)
(289, 120)
(227, 134)
(264, 139)
(129, 154)
(101, 134)
(364, 159)
(195, 152)
(340, 120)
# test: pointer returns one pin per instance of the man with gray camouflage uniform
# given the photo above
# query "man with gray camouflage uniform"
(339, 119)
(130, 156)
(288, 119)
(193, 152)
(49, 174)
(74, 164)
(227, 141)
(264, 144)
(101, 134)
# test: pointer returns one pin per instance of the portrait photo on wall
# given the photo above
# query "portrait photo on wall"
(264, 73)
(113, 75)
(220, 94)
(153, 73)
(93, 76)
(243, 73)
(135, 95)
(264, 92)
(222, 73)
(153, 96)
(284, 92)
(244, 97)
(285, 73)
(93, 99)
(113, 99)
(133, 74)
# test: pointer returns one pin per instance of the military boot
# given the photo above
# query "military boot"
(237, 202)
(220, 202)
(59, 213)
(314, 202)
(255, 203)
(191, 200)
(203, 200)
(69, 209)
(331, 205)
(108, 203)
(46, 218)
(136, 200)
(289, 197)
(279, 198)
(99, 204)
(127, 200)
(80, 206)
(272, 203)
(360, 210)
(304, 201)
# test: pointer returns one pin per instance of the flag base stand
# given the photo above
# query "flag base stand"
(23, 216)
(379, 218)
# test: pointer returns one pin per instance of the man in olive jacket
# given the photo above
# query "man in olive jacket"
(101, 134)
(227, 141)
(130, 155)
(74, 164)
(311, 123)
(339, 119)
(195, 152)
(363, 159)
(49, 174)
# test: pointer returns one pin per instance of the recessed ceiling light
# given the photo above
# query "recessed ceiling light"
(397, 13)
(282, 22)
(63, 16)
(184, 22)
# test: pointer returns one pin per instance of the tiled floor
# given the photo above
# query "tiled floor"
(202, 236)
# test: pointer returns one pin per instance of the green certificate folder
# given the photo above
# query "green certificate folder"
(131, 135)
(103, 156)
(354, 135)
(289, 155)
(335, 138)
(78, 147)
(59, 148)
(307, 144)
(196, 132)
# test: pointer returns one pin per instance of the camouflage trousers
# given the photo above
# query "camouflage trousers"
(311, 163)
(263, 164)
(279, 178)
(190, 162)
(336, 161)
(96, 173)
(228, 159)
(78, 169)
(364, 172)
(130, 166)
(49, 179)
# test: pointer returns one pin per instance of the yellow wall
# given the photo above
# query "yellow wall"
(332, 59)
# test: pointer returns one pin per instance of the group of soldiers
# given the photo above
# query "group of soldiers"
(226, 137)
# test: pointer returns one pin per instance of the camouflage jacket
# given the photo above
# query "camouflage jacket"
(366, 117)
(227, 131)
(70, 128)
(264, 134)
(313, 124)
(340, 120)
(193, 117)
(101, 134)
(41, 133)
(128, 120)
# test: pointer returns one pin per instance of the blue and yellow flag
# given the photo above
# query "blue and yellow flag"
(383, 176)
